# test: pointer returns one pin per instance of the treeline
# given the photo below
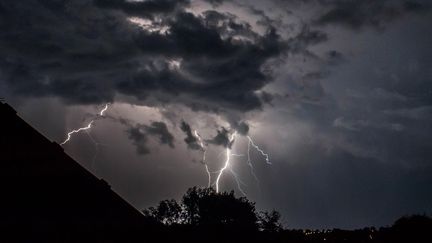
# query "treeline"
(203, 215)
(203, 207)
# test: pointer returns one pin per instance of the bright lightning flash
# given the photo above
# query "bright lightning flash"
(101, 113)
(219, 172)
(251, 142)
(69, 135)
(227, 161)
(77, 131)
(204, 157)
(227, 164)
(249, 161)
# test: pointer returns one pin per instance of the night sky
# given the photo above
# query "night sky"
(337, 92)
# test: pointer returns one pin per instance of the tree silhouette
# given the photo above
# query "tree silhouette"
(205, 215)
(167, 212)
(190, 201)
(415, 228)
(269, 221)
(204, 207)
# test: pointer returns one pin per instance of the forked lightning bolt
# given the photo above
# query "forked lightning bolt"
(69, 135)
(251, 142)
(203, 147)
(204, 157)
(227, 164)
(249, 161)
(227, 160)
(236, 177)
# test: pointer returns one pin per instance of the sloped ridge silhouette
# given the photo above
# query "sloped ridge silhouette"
(44, 192)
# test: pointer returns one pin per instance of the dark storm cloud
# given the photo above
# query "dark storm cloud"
(139, 139)
(308, 88)
(305, 38)
(416, 113)
(334, 57)
(190, 140)
(88, 52)
(222, 138)
(262, 17)
(59, 49)
(242, 128)
(357, 14)
(143, 8)
(215, 3)
(160, 130)
(139, 134)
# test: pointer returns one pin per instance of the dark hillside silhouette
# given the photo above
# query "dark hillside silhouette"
(45, 193)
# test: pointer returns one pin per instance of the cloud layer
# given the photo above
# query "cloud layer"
(156, 52)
